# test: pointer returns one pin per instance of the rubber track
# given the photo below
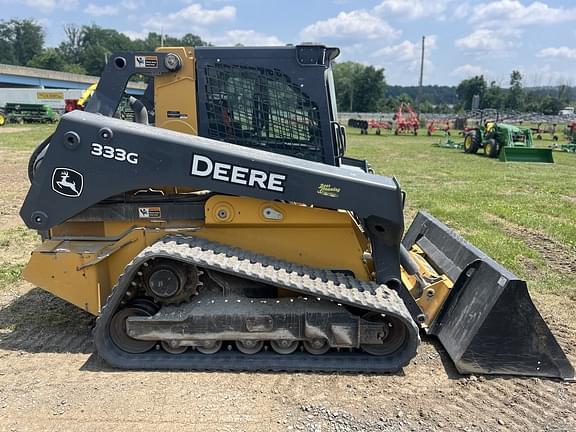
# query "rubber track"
(303, 279)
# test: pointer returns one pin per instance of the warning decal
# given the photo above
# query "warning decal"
(146, 62)
(149, 212)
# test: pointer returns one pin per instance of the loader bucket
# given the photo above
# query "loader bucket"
(488, 323)
(526, 154)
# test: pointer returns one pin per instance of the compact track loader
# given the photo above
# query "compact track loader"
(225, 229)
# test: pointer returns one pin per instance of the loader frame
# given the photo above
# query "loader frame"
(88, 170)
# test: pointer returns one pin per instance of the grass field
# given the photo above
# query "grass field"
(521, 214)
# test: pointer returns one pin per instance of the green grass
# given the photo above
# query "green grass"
(476, 196)
(17, 237)
(10, 273)
(15, 244)
(26, 140)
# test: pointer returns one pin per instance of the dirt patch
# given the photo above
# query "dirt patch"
(50, 379)
(570, 199)
(14, 186)
(13, 130)
(558, 257)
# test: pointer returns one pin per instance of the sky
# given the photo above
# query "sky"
(463, 38)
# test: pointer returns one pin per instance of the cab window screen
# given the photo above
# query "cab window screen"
(261, 108)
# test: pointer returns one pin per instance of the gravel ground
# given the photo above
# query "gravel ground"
(50, 378)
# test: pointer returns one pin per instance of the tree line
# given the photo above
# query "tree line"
(84, 50)
(359, 88)
(516, 97)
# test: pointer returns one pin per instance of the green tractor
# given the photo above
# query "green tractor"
(507, 142)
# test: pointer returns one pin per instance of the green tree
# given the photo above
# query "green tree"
(346, 80)
(494, 97)
(94, 59)
(71, 47)
(370, 89)
(50, 58)
(470, 87)
(515, 99)
(74, 68)
(359, 88)
(6, 44)
(426, 107)
(90, 46)
(20, 40)
(551, 105)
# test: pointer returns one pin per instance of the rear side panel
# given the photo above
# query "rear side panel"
(488, 323)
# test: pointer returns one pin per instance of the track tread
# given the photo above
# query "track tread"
(303, 279)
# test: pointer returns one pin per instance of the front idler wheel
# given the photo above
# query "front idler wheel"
(118, 330)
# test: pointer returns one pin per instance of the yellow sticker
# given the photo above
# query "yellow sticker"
(50, 95)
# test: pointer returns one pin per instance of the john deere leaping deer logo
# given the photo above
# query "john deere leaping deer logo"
(67, 182)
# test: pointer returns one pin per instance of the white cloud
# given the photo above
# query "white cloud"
(188, 18)
(488, 40)
(462, 10)
(407, 51)
(47, 6)
(43, 5)
(131, 4)
(545, 75)
(412, 9)
(133, 35)
(560, 52)
(404, 58)
(68, 4)
(357, 24)
(245, 37)
(468, 70)
(515, 14)
(101, 10)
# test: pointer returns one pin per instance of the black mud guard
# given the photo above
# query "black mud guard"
(488, 323)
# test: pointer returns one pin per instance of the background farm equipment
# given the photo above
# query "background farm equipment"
(540, 130)
(448, 142)
(71, 105)
(359, 124)
(2, 118)
(408, 124)
(379, 125)
(365, 125)
(570, 133)
(507, 142)
(434, 126)
(30, 113)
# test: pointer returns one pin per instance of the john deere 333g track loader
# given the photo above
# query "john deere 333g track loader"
(225, 229)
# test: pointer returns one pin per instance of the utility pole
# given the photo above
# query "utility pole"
(421, 75)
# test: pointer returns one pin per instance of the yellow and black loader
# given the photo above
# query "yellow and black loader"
(225, 229)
